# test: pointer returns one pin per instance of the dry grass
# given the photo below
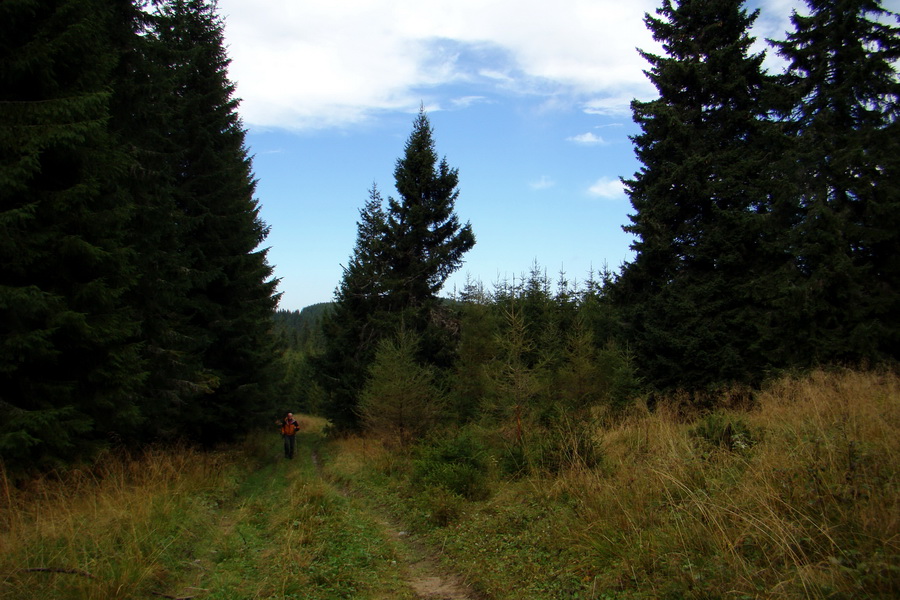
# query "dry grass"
(805, 506)
(106, 531)
(181, 524)
(354, 455)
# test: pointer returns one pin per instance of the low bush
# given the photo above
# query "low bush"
(458, 464)
(725, 430)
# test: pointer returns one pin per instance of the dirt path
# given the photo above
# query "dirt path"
(425, 575)
(422, 569)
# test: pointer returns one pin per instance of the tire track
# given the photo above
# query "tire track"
(421, 566)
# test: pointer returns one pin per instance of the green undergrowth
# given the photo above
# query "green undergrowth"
(183, 524)
(503, 537)
(796, 497)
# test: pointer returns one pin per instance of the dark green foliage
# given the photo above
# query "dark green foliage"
(590, 375)
(300, 338)
(302, 329)
(400, 402)
(134, 301)
(427, 240)
(766, 208)
(145, 114)
(457, 464)
(508, 369)
(840, 297)
(402, 257)
(469, 382)
(69, 367)
(232, 293)
(701, 200)
(298, 389)
(352, 330)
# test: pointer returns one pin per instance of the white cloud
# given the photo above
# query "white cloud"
(611, 105)
(606, 187)
(542, 184)
(466, 101)
(321, 63)
(587, 139)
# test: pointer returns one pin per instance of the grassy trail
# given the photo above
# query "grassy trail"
(210, 528)
(794, 499)
(291, 534)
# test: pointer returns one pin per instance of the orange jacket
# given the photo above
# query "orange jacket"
(289, 427)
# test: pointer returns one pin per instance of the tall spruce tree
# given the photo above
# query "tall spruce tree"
(230, 295)
(69, 368)
(844, 285)
(143, 111)
(700, 199)
(426, 240)
(403, 256)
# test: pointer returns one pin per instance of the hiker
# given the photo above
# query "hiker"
(289, 428)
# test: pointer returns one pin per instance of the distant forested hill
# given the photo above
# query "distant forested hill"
(302, 329)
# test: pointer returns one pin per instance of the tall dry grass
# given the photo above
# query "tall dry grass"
(803, 501)
(105, 531)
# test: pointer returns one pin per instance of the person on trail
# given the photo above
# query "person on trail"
(289, 428)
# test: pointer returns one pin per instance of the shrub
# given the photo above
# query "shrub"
(457, 464)
(400, 401)
(724, 430)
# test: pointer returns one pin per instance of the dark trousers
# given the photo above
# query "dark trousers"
(288, 446)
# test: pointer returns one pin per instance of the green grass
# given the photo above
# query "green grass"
(796, 498)
(242, 524)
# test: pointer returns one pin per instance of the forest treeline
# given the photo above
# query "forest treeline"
(137, 304)
(766, 240)
(135, 301)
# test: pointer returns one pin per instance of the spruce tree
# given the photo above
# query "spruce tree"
(144, 117)
(404, 253)
(359, 320)
(842, 301)
(230, 296)
(400, 402)
(69, 368)
(700, 199)
(426, 240)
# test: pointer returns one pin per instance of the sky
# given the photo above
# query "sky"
(528, 99)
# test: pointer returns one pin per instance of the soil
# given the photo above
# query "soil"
(425, 575)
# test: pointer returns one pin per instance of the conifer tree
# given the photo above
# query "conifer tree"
(843, 299)
(699, 199)
(479, 324)
(403, 256)
(400, 401)
(68, 362)
(144, 117)
(355, 327)
(230, 292)
(426, 240)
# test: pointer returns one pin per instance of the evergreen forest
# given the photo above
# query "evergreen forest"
(136, 300)
(137, 304)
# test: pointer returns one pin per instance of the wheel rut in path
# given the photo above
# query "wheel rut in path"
(422, 570)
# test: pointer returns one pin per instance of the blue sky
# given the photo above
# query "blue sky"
(528, 99)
